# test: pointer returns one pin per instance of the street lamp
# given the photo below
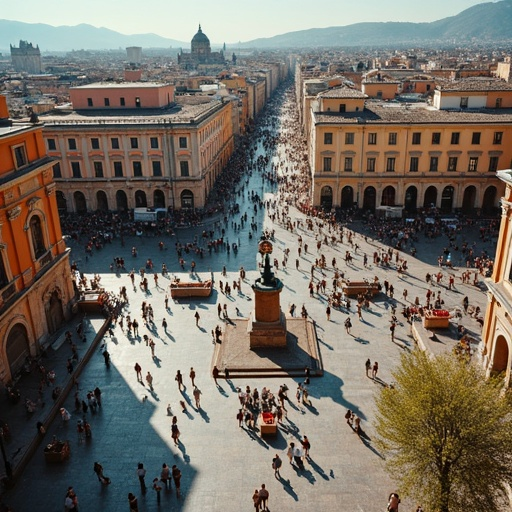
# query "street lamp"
(8, 468)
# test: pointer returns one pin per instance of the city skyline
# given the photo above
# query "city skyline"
(225, 23)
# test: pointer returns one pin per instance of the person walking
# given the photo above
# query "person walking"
(276, 465)
(375, 370)
(71, 501)
(165, 476)
(197, 317)
(164, 324)
(348, 325)
(149, 380)
(240, 418)
(176, 476)
(392, 328)
(138, 371)
(306, 445)
(256, 500)
(393, 502)
(179, 379)
(197, 397)
(263, 494)
(328, 313)
(192, 376)
(157, 488)
(132, 500)
(215, 374)
(141, 473)
(368, 366)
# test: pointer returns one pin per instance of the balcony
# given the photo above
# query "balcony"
(44, 260)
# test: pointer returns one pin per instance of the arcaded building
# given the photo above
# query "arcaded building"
(36, 290)
(497, 329)
(130, 144)
(368, 153)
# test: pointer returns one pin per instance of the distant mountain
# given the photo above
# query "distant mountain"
(488, 22)
(78, 37)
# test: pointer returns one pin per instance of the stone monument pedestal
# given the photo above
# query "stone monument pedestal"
(267, 334)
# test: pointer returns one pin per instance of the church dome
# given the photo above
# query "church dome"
(200, 37)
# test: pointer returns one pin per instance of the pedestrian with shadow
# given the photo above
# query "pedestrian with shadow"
(368, 366)
(176, 476)
(141, 473)
(165, 476)
(132, 500)
(276, 465)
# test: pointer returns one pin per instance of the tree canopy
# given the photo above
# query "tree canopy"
(446, 432)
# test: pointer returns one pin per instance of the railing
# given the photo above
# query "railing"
(45, 260)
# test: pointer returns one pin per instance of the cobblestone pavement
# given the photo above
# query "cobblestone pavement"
(221, 463)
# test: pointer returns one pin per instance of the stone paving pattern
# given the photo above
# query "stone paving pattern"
(221, 463)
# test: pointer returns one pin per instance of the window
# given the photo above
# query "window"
(390, 165)
(434, 163)
(137, 169)
(370, 164)
(498, 137)
(473, 164)
(153, 141)
(51, 145)
(452, 163)
(98, 169)
(416, 138)
(20, 156)
(115, 143)
(464, 102)
(183, 142)
(36, 232)
(134, 142)
(157, 167)
(327, 163)
(436, 138)
(392, 139)
(475, 138)
(343, 107)
(372, 138)
(72, 144)
(414, 164)
(455, 137)
(122, 102)
(184, 168)
(75, 170)
(137, 102)
(89, 102)
(57, 173)
(95, 143)
(118, 169)
(106, 102)
(493, 163)
(327, 138)
(348, 164)
(498, 102)
(349, 138)
(4, 279)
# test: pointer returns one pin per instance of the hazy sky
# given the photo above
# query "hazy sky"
(224, 21)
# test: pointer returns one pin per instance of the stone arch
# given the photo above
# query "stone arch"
(388, 196)
(411, 199)
(369, 199)
(158, 199)
(80, 202)
(121, 201)
(101, 201)
(430, 197)
(187, 199)
(468, 201)
(501, 354)
(62, 202)
(140, 199)
(489, 200)
(347, 197)
(447, 198)
(17, 347)
(326, 197)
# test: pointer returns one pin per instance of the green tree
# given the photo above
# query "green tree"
(446, 432)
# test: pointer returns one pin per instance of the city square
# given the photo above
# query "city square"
(221, 463)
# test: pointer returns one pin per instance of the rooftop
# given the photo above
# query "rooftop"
(14, 129)
(396, 113)
(121, 85)
(342, 92)
(476, 85)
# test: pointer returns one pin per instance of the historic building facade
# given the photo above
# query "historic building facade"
(36, 290)
(26, 58)
(497, 329)
(200, 53)
(127, 145)
(371, 153)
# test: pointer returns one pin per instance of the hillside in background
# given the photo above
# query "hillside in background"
(489, 22)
